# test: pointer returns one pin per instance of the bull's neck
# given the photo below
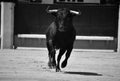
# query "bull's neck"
(64, 26)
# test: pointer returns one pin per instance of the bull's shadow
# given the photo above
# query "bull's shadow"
(83, 73)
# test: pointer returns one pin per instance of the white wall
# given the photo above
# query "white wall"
(119, 32)
(7, 24)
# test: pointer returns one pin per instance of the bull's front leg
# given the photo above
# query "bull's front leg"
(62, 51)
(68, 53)
(53, 61)
(51, 50)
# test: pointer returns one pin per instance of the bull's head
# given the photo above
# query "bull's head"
(63, 18)
(62, 14)
(56, 10)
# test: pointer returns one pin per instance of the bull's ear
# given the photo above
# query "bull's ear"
(75, 12)
(47, 9)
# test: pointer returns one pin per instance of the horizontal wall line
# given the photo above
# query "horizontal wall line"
(77, 37)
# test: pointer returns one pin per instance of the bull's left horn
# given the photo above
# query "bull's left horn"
(55, 10)
(74, 12)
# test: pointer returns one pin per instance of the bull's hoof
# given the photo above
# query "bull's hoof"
(64, 63)
(58, 70)
(51, 65)
(54, 65)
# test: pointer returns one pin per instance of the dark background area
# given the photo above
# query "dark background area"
(95, 20)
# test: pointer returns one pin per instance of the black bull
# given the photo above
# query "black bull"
(60, 35)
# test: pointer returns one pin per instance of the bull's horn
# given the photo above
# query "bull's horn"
(74, 12)
(55, 10)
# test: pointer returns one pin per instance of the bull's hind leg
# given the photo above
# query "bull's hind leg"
(51, 50)
(62, 51)
(68, 53)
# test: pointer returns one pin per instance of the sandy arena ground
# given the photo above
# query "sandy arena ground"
(31, 65)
